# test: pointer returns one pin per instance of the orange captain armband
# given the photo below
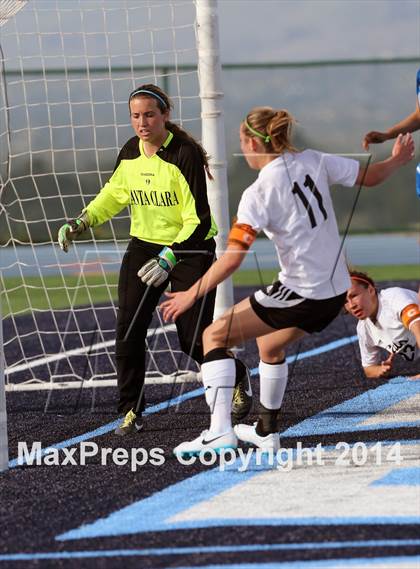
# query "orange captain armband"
(242, 234)
(410, 314)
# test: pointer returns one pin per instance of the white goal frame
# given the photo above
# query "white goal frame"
(212, 135)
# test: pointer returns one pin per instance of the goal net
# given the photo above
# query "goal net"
(67, 67)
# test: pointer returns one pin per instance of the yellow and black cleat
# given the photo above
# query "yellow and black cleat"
(130, 424)
(242, 396)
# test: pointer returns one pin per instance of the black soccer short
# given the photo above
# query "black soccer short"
(280, 308)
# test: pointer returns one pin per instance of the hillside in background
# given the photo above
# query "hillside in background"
(63, 104)
(87, 134)
(391, 206)
(334, 106)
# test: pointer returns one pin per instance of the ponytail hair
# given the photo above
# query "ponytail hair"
(165, 105)
(273, 127)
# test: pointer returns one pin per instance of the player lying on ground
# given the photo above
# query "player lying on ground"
(160, 175)
(290, 201)
(388, 320)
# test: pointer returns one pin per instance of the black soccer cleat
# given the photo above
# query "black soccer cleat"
(130, 424)
(242, 396)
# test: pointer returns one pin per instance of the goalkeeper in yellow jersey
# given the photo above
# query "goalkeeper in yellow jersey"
(161, 175)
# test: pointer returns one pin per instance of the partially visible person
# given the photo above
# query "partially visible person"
(411, 123)
(290, 201)
(389, 321)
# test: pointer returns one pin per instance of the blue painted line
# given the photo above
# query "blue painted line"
(111, 426)
(316, 351)
(152, 513)
(391, 561)
(180, 399)
(407, 476)
(156, 512)
(210, 549)
(340, 562)
(102, 529)
(349, 416)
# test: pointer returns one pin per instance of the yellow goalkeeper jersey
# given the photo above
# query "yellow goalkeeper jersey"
(166, 193)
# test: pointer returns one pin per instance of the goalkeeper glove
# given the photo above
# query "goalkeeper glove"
(156, 271)
(72, 229)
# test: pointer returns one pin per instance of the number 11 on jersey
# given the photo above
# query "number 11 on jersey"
(310, 184)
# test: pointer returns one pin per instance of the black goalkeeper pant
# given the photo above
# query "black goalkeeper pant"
(131, 354)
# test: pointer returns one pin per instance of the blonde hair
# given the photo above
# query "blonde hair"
(273, 127)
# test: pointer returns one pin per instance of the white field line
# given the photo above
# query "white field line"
(77, 351)
(186, 376)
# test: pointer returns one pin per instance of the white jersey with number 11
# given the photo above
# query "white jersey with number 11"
(290, 201)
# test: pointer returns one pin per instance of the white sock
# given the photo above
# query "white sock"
(219, 381)
(273, 381)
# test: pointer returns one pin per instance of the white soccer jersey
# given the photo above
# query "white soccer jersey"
(290, 201)
(388, 331)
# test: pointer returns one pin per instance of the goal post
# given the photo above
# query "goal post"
(66, 71)
(213, 135)
(8, 8)
(4, 449)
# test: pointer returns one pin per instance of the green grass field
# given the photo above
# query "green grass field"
(378, 273)
(59, 292)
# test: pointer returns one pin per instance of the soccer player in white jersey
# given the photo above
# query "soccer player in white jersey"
(290, 201)
(389, 322)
